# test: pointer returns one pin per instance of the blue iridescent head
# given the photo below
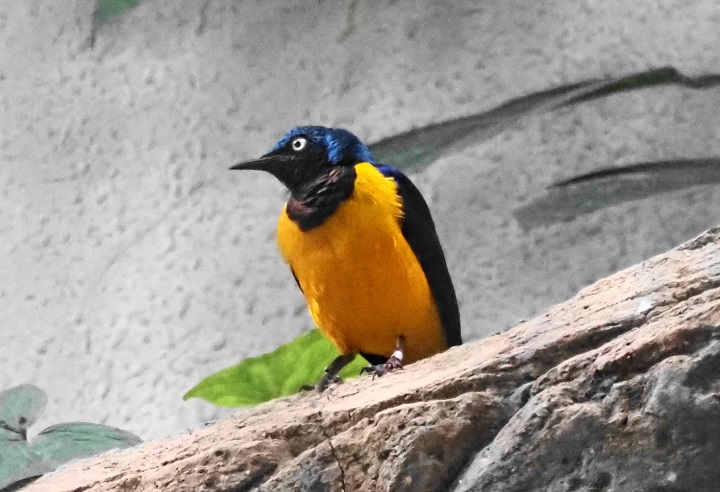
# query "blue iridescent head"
(306, 153)
(339, 145)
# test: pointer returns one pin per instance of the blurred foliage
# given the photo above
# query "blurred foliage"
(282, 372)
(107, 9)
(416, 149)
(20, 407)
(63, 442)
(21, 461)
(567, 200)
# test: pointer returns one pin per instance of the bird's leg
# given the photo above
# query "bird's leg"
(332, 370)
(394, 362)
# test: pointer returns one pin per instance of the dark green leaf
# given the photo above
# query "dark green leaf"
(106, 9)
(278, 373)
(573, 197)
(20, 407)
(641, 80)
(415, 149)
(9, 435)
(63, 442)
(419, 147)
(18, 462)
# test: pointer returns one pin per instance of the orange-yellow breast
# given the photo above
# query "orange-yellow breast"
(363, 283)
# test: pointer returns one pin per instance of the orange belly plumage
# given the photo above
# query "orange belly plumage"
(363, 283)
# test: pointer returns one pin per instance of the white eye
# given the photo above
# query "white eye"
(298, 144)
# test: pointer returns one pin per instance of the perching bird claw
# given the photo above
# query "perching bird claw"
(331, 373)
(394, 362)
(326, 381)
(380, 370)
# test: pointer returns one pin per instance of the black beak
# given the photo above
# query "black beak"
(268, 163)
(283, 167)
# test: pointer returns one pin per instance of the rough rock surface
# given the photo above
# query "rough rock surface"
(617, 389)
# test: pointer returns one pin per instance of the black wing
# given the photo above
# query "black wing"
(419, 231)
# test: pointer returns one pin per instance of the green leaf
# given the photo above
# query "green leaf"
(566, 200)
(282, 372)
(417, 148)
(18, 462)
(20, 407)
(63, 442)
(106, 9)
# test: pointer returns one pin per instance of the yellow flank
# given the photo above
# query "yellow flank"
(363, 283)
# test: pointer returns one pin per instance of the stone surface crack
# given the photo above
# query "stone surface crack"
(650, 357)
(334, 455)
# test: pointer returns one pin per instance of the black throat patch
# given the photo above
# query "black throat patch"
(317, 200)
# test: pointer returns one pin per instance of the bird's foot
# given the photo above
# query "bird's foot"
(394, 362)
(380, 370)
(331, 373)
(326, 381)
(322, 385)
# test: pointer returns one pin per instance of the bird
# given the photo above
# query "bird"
(362, 245)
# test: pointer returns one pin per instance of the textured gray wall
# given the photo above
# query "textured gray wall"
(134, 264)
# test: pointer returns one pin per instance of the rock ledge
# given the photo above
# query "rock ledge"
(617, 389)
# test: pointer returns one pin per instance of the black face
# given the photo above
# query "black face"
(317, 185)
(296, 164)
